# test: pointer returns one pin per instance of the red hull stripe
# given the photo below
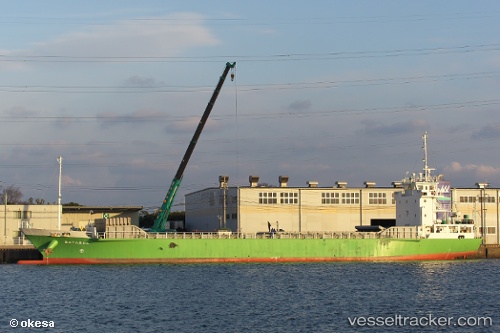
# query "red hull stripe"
(91, 261)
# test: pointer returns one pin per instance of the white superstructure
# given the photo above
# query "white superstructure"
(425, 203)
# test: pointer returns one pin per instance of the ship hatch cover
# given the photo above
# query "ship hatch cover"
(369, 228)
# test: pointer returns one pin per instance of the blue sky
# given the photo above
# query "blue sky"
(325, 91)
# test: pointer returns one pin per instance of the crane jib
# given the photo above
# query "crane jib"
(166, 206)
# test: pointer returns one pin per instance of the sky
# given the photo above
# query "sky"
(324, 91)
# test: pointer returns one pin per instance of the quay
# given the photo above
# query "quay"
(11, 254)
(488, 251)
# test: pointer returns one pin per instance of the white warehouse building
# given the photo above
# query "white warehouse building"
(255, 208)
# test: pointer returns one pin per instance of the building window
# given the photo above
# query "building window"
(350, 198)
(330, 198)
(377, 198)
(289, 198)
(22, 214)
(268, 198)
(470, 199)
(464, 199)
(487, 199)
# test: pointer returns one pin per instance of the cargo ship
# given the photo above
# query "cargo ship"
(425, 229)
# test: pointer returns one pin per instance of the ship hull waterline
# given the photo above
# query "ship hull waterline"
(186, 251)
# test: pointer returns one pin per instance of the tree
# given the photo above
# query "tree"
(73, 204)
(177, 216)
(146, 220)
(14, 195)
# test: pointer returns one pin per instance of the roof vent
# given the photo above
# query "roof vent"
(312, 183)
(341, 184)
(254, 180)
(223, 181)
(283, 181)
(370, 184)
(482, 185)
(397, 184)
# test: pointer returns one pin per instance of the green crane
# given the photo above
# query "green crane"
(161, 219)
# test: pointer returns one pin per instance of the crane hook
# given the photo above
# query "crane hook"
(232, 73)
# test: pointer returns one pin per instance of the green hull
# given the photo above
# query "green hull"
(64, 250)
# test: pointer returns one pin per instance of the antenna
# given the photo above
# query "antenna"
(59, 208)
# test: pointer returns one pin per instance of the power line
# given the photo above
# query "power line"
(255, 58)
(84, 89)
(243, 21)
(285, 114)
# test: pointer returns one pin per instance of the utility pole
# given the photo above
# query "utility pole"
(482, 196)
(5, 220)
(483, 225)
(223, 185)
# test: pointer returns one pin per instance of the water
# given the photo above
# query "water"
(250, 297)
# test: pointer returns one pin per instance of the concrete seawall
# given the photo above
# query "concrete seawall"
(11, 254)
(487, 252)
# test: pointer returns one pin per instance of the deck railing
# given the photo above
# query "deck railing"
(264, 235)
(400, 232)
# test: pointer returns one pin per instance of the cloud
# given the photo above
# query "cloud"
(182, 126)
(109, 119)
(187, 125)
(478, 171)
(63, 122)
(301, 105)
(19, 111)
(137, 39)
(267, 32)
(487, 132)
(149, 37)
(68, 181)
(138, 81)
(377, 128)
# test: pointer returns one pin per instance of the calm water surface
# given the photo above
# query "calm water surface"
(251, 297)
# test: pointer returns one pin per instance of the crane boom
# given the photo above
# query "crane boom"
(166, 206)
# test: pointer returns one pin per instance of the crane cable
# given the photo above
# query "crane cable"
(233, 73)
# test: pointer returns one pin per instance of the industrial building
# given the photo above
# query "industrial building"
(47, 217)
(256, 208)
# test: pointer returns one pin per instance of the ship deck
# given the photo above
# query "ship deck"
(395, 232)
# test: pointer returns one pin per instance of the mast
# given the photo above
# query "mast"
(59, 207)
(427, 170)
